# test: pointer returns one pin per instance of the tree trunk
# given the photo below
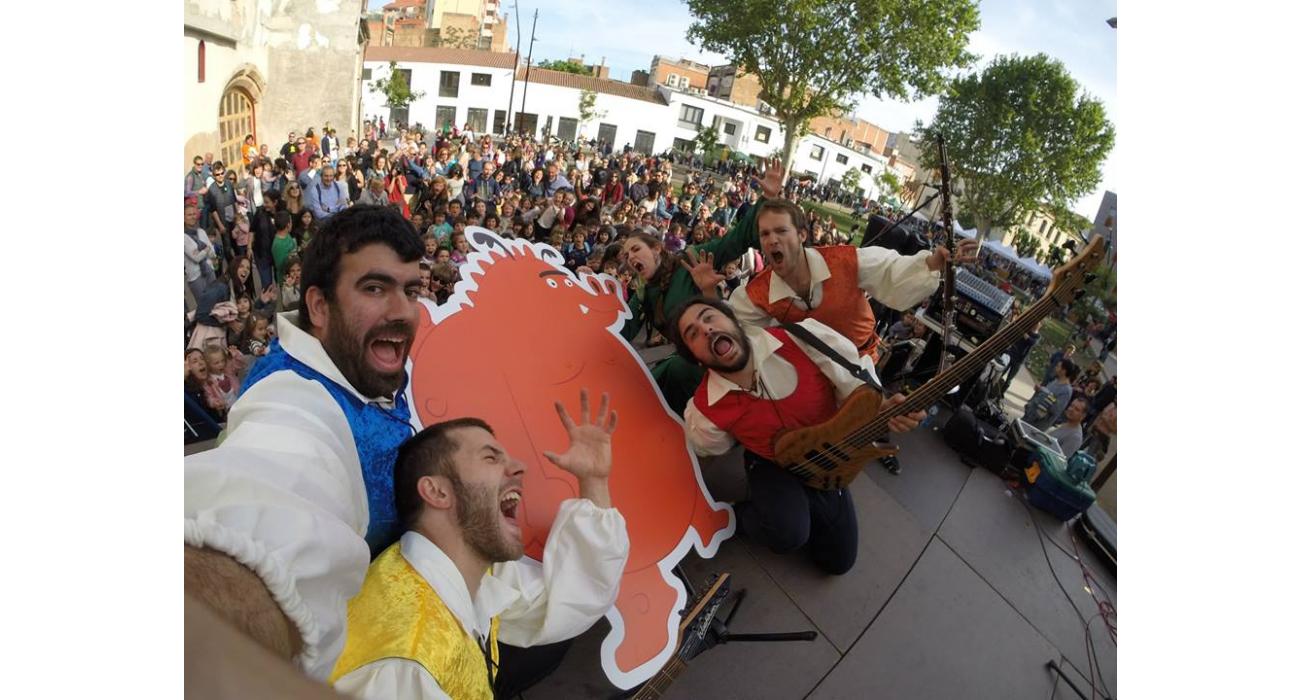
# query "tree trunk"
(787, 153)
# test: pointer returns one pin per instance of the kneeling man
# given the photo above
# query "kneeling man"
(433, 606)
(761, 381)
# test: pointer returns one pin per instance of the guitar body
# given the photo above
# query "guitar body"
(824, 462)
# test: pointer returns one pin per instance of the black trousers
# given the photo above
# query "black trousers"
(785, 515)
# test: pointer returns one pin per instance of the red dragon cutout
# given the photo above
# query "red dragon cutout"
(520, 332)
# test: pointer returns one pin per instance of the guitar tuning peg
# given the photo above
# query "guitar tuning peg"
(1088, 277)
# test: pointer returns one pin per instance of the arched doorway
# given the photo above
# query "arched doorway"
(237, 113)
(235, 122)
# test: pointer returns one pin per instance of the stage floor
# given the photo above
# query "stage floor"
(951, 597)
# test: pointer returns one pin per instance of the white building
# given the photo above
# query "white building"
(474, 87)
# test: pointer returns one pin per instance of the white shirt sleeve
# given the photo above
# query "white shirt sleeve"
(703, 435)
(898, 282)
(746, 312)
(575, 584)
(845, 383)
(391, 679)
(283, 495)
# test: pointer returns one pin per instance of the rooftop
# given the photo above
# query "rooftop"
(587, 82)
(430, 54)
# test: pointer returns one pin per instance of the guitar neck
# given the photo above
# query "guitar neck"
(656, 686)
(964, 368)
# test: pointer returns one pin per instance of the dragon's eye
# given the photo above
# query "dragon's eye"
(552, 284)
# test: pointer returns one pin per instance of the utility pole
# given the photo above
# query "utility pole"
(510, 106)
(524, 102)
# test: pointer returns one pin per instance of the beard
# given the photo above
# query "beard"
(742, 358)
(348, 348)
(478, 513)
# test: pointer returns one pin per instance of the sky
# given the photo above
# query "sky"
(628, 33)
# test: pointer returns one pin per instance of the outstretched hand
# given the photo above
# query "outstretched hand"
(773, 179)
(706, 276)
(589, 454)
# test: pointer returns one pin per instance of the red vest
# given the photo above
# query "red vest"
(754, 421)
(843, 307)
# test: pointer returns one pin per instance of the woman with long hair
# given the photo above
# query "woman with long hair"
(536, 188)
(304, 227)
(613, 192)
(455, 181)
(396, 188)
(291, 201)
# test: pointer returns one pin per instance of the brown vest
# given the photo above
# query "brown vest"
(843, 307)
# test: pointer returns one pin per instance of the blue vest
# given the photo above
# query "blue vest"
(376, 432)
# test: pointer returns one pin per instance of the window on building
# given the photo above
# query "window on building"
(763, 134)
(568, 129)
(683, 145)
(818, 152)
(645, 142)
(1042, 226)
(842, 159)
(607, 133)
(729, 128)
(477, 119)
(365, 74)
(691, 117)
(203, 60)
(449, 84)
(866, 168)
(484, 79)
(828, 132)
(499, 121)
(446, 116)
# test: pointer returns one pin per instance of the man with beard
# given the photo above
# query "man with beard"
(831, 283)
(433, 605)
(282, 518)
(761, 381)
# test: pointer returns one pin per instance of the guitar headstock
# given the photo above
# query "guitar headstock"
(1068, 279)
(699, 614)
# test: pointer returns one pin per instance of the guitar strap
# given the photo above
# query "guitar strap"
(855, 369)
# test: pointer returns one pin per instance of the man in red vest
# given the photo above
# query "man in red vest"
(761, 381)
(832, 283)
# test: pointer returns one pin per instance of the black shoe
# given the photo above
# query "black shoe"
(891, 464)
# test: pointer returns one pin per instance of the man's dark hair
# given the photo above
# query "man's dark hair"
(347, 232)
(427, 453)
(1071, 369)
(283, 220)
(675, 317)
(797, 216)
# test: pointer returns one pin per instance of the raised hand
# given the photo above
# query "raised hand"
(967, 252)
(773, 179)
(706, 277)
(589, 454)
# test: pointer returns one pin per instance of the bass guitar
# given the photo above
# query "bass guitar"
(691, 640)
(829, 455)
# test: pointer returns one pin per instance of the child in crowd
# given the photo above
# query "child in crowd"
(440, 228)
(223, 371)
(459, 248)
(430, 249)
(257, 337)
(290, 295)
(443, 277)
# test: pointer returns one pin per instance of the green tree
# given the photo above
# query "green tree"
(812, 56)
(888, 184)
(568, 66)
(1019, 134)
(587, 108)
(706, 140)
(396, 91)
(851, 179)
(1026, 245)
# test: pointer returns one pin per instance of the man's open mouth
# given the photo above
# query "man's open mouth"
(722, 345)
(510, 501)
(776, 256)
(389, 351)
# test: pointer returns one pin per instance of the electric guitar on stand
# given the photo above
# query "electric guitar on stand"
(830, 455)
(697, 619)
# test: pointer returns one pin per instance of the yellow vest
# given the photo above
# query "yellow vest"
(398, 615)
